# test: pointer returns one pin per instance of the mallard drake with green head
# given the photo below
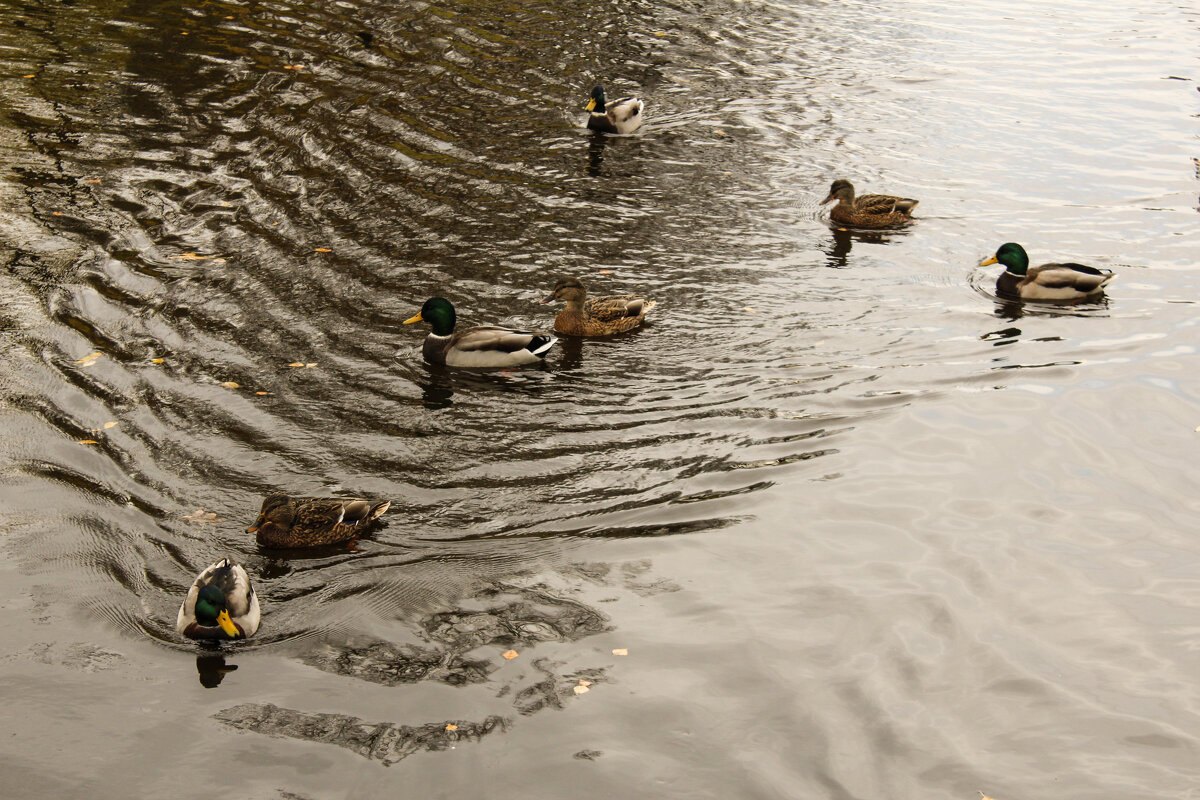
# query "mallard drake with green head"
(1048, 283)
(596, 316)
(484, 346)
(868, 210)
(619, 116)
(287, 521)
(220, 605)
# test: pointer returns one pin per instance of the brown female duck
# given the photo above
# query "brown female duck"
(312, 521)
(596, 316)
(868, 210)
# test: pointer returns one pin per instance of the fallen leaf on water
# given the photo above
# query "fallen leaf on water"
(310, 365)
(580, 689)
(296, 67)
(260, 394)
(93, 180)
(620, 651)
(56, 213)
(87, 441)
(323, 250)
(230, 385)
(91, 357)
(450, 726)
(31, 76)
(108, 425)
(510, 654)
(605, 272)
(196, 257)
(749, 310)
(296, 364)
(584, 682)
(660, 33)
(157, 360)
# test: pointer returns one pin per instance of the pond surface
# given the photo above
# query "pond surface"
(836, 524)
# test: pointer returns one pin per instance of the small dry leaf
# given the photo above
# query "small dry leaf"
(580, 689)
(450, 726)
(229, 18)
(719, 132)
(230, 385)
(93, 180)
(87, 441)
(749, 310)
(89, 357)
(323, 250)
(157, 360)
(584, 682)
(108, 425)
(260, 394)
(31, 76)
(620, 651)
(310, 365)
(183, 33)
(226, 204)
(295, 67)
(296, 364)
(660, 33)
(510, 654)
(605, 272)
(196, 257)
(56, 213)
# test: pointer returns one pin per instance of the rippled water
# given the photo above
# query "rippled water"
(863, 530)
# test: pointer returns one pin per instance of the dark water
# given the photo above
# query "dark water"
(863, 531)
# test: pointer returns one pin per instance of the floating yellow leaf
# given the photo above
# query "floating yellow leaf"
(749, 310)
(510, 654)
(56, 213)
(93, 180)
(157, 360)
(323, 250)
(310, 365)
(31, 76)
(583, 682)
(581, 687)
(260, 394)
(296, 364)
(620, 651)
(295, 67)
(196, 257)
(230, 385)
(87, 441)
(660, 33)
(605, 272)
(108, 425)
(89, 357)
(450, 726)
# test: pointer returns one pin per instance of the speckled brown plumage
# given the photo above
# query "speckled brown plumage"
(312, 521)
(868, 210)
(596, 316)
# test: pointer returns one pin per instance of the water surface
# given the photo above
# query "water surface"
(862, 530)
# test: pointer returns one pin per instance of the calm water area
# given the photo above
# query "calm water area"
(853, 527)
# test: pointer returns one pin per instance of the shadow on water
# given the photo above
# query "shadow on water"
(461, 647)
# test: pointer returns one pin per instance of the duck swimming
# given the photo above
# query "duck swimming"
(1051, 283)
(313, 521)
(596, 316)
(868, 210)
(483, 346)
(623, 115)
(220, 605)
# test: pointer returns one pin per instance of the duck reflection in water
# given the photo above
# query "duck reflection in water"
(596, 154)
(836, 255)
(213, 669)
